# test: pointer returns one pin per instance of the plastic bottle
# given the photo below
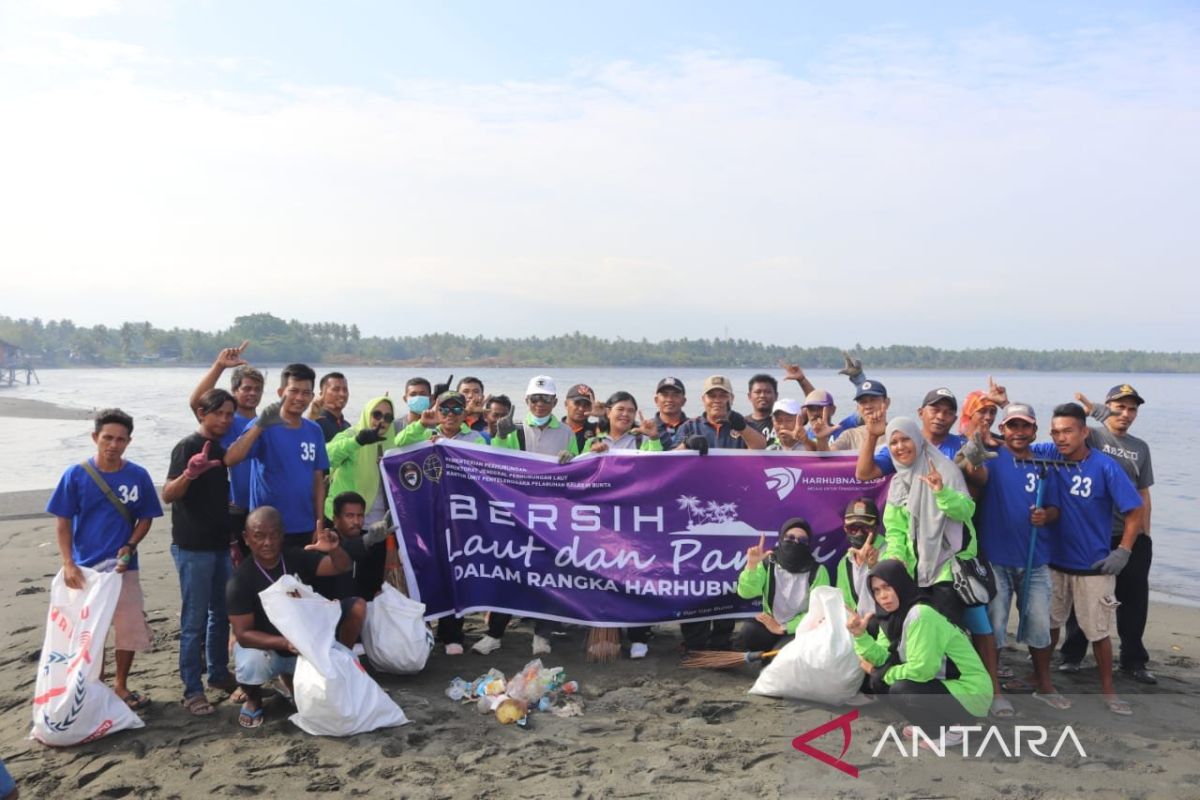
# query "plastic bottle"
(458, 689)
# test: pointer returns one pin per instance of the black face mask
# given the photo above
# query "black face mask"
(857, 540)
(794, 556)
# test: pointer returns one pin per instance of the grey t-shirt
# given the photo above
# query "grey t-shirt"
(1132, 453)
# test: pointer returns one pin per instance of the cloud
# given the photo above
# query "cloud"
(983, 183)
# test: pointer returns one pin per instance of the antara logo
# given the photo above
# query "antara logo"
(843, 722)
(782, 480)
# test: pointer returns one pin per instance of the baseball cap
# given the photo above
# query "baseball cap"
(542, 384)
(939, 395)
(1019, 411)
(717, 382)
(454, 398)
(580, 390)
(870, 389)
(1122, 391)
(818, 397)
(787, 405)
(862, 509)
(670, 383)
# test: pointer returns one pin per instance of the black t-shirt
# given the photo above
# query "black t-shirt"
(763, 426)
(200, 519)
(241, 593)
(330, 425)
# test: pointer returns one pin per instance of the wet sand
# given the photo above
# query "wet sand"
(650, 728)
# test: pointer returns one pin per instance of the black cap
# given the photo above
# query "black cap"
(1122, 391)
(940, 395)
(870, 389)
(670, 383)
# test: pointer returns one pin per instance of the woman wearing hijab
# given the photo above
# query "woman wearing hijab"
(783, 578)
(354, 456)
(927, 509)
(927, 522)
(924, 664)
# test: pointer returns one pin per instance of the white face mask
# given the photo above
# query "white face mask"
(418, 404)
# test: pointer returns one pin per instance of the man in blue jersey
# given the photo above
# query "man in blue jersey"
(1118, 413)
(104, 508)
(1007, 513)
(288, 458)
(246, 386)
(1084, 564)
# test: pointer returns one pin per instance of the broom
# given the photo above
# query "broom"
(603, 645)
(724, 659)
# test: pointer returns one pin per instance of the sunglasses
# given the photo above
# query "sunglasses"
(451, 409)
(541, 398)
(379, 415)
(859, 527)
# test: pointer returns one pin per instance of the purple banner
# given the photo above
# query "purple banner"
(623, 538)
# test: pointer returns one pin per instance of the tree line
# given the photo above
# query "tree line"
(61, 343)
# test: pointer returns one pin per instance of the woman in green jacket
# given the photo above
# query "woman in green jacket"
(924, 663)
(783, 578)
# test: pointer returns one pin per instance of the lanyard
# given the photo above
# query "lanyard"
(266, 574)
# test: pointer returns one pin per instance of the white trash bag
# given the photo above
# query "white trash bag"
(820, 663)
(334, 694)
(70, 703)
(395, 635)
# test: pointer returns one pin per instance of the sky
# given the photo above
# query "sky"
(948, 174)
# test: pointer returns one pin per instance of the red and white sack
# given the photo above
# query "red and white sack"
(70, 704)
(334, 694)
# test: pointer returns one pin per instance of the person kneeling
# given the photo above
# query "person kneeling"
(261, 654)
(782, 578)
(924, 663)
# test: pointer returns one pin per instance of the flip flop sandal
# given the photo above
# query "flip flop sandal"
(1118, 706)
(136, 701)
(1002, 708)
(1054, 700)
(1004, 673)
(238, 696)
(1017, 686)
(198, 705)
(250, 719)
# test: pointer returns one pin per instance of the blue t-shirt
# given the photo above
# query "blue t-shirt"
(283, 462)
(1087, 493)
(1002, 516)
(239, 474)
(98, 530)
(949, 446)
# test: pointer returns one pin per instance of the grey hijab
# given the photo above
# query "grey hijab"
(936, 538)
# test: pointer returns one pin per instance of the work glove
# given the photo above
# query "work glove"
(376, 532)
(269, 416)
(505, 426)
(368, 436)
(563, 457)
(737, 422)
(698, 443)
(200, 463)
(1114, 562)
(973, 452)
(853, 369)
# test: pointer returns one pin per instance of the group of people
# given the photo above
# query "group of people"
(294, 488)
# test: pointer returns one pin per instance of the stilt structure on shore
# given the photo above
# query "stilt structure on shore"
(13, 363)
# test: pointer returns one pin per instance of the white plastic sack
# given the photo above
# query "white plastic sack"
(395, 635)
(820, 663)
(70, 704)
(334, 694)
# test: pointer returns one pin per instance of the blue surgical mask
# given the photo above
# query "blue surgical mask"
(418, 404)
(540, 421)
